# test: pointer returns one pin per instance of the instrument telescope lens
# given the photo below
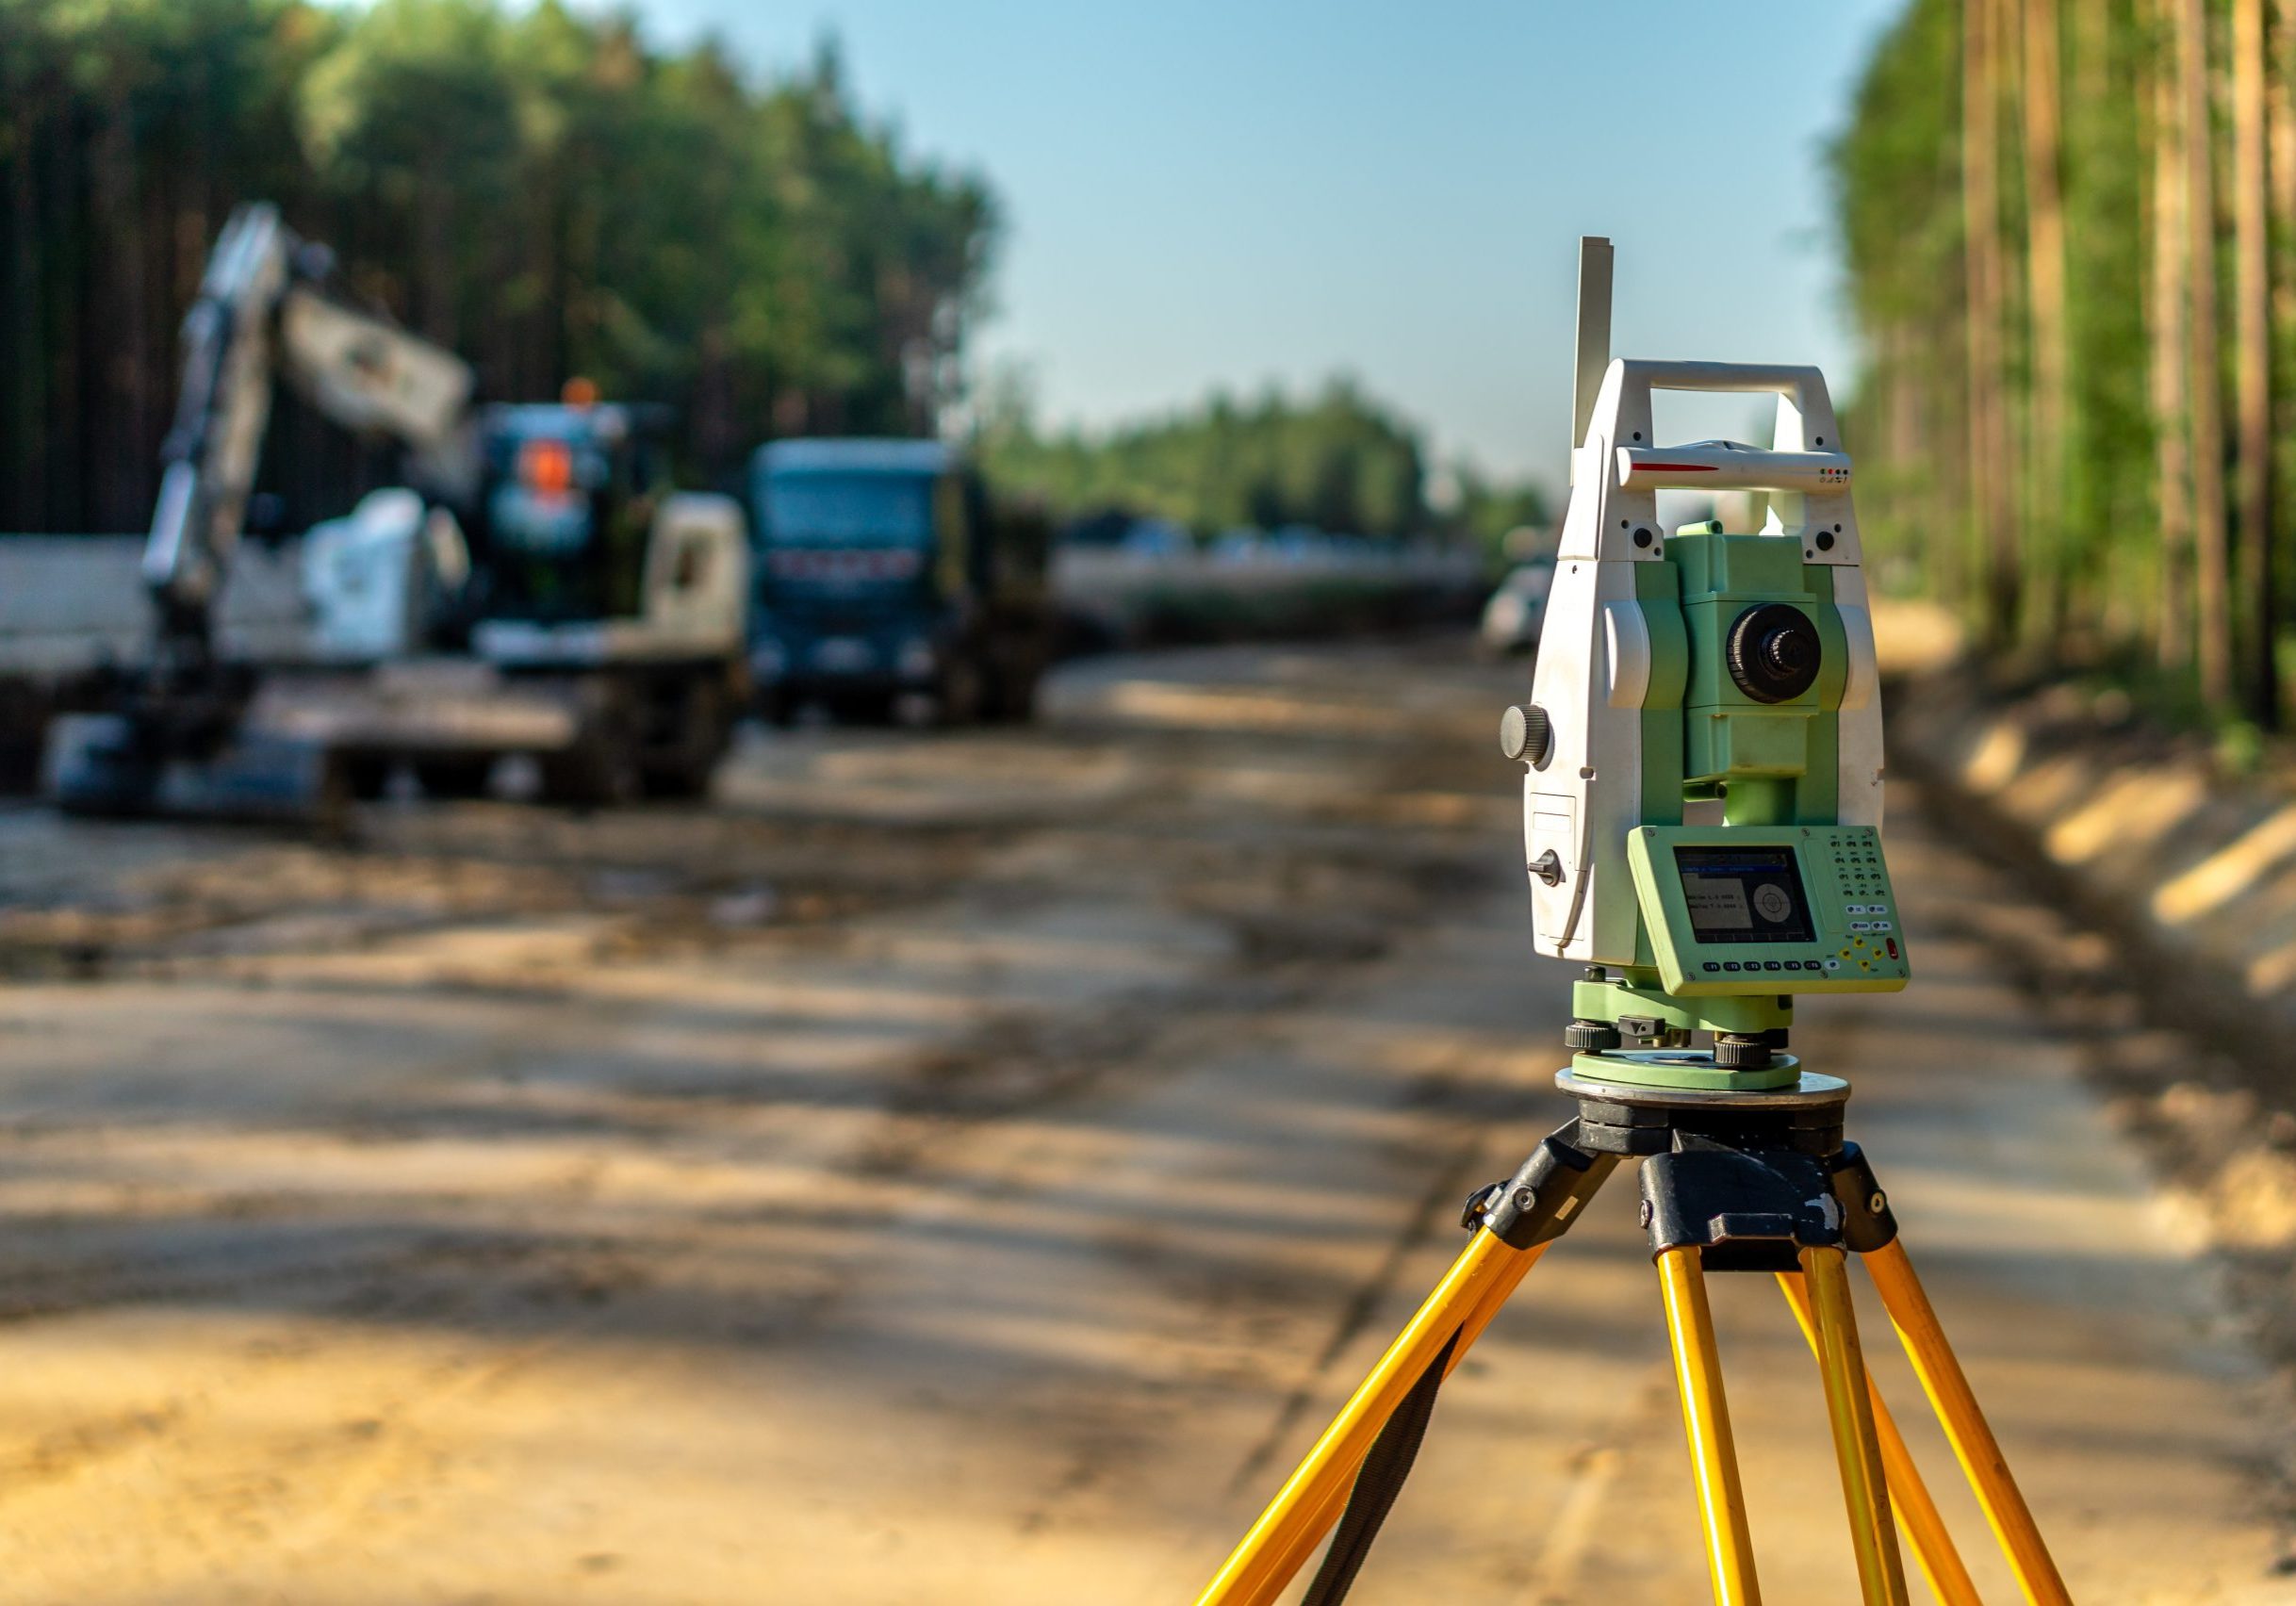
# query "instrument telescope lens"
(1774, 652)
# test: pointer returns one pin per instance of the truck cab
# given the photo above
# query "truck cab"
(887, 577)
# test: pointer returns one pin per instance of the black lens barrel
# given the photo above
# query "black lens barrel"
(1774, 652)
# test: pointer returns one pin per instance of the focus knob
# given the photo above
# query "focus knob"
(1526, 733)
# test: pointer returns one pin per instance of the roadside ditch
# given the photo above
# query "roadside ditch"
(2149, 911)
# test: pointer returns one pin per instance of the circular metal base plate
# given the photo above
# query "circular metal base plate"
(1810, 1091)
(1688, 1068)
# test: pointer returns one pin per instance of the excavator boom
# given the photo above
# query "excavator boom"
(173, 738)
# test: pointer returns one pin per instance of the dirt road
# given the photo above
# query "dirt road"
(967, 1169)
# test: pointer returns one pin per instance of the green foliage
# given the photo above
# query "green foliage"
(1897, 201)
(2108, 498)
(534, 184)
(1489, 511)
(2089, 545)
(1340, 461)
(1896, 179)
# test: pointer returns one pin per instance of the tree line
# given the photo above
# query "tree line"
(2068, 225)
(537, 187)
(1338, 460)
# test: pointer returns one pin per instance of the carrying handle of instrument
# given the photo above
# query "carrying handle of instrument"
(1807, 456)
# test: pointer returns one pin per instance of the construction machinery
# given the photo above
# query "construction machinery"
(536, 590)
(888, 577)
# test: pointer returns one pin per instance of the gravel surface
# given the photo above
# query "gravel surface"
(968, 1168)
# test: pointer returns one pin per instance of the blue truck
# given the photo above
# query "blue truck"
(887, 579)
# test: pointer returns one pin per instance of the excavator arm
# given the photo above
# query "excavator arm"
(263, 314)
(173, 734)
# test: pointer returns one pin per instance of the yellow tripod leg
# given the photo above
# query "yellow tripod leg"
(1310, 1533)
(1714, 1460)
(1495, 1295)
(1312, 1497)
(1973, 1440)
(1881, 1576)
(1910, 1502)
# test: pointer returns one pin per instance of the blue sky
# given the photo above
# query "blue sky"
(1230, 194)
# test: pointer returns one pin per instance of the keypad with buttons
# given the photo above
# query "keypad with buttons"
(1852, 941)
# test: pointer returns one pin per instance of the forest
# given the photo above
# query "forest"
(535, 186)
(1340, 460)
(545, 191)
(2068, 226)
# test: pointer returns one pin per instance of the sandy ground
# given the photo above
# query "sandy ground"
(967, 1169)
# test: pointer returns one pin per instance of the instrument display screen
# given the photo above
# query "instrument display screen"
(1743, 894)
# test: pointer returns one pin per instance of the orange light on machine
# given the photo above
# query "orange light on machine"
(579, 392)
(547, 468)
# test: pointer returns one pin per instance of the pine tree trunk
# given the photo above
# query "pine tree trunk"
(2211, 571)
(126, 434)
(1991, 494)
(2045, 296)
(2280, 235)
(2252, 331)
(2166, 309)
(24, 501)
(2092, 30)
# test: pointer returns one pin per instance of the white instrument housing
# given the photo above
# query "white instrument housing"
(1595, 668)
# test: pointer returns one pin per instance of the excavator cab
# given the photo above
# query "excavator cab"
(568, 497)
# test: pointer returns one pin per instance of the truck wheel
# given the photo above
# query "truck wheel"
(684, 779)
(962, 697)
(684, 768)
(464, 775)
(595, 773)
(366, 776)
(863, 708)
(1016, 698)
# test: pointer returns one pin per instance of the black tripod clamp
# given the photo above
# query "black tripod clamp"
(1539, 1203)
(1749, 1181)
(1755, 1210)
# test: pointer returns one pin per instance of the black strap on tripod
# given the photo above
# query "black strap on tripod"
(1380, 1481)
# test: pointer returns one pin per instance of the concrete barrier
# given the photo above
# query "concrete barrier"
(70, 603)
(1130, 599)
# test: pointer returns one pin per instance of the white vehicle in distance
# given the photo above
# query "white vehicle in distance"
(1511, 619)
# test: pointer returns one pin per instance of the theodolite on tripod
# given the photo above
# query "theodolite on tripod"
(1702, 817)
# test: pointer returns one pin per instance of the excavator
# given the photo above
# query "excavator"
(536, 590)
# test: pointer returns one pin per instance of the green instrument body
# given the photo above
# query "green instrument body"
(1770, 897)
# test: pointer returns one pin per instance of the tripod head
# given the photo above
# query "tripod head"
(1702, 751)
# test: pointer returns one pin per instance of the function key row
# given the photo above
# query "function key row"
(1719, 965)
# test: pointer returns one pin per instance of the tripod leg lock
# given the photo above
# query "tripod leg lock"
(1540, 1201)
(1866, 1221)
